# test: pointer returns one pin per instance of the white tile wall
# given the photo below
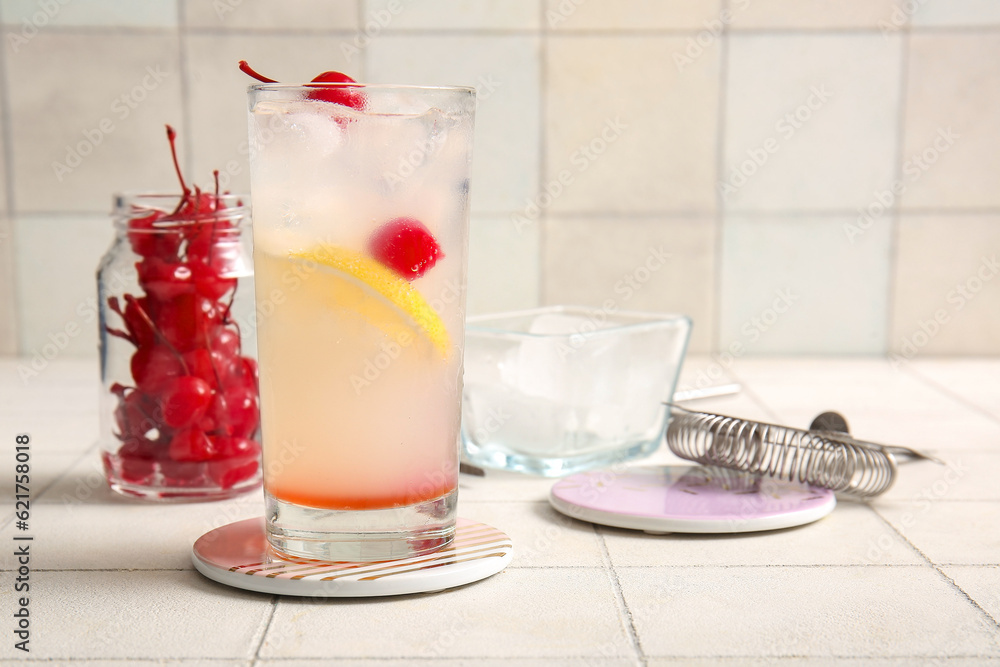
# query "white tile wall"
(947, 292)
(957, 13)
(261, 15)
(628, 130)
(951, 148)
(8, 309)
(795, 14)
(95, 13)
(56, 273)
(492, 15)
(503, 264)
(818, 132)
(796, 284)
(662, 265)
(689, 88)
(630, 15)
(93, 125)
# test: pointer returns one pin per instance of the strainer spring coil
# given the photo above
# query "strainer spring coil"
(827, 459)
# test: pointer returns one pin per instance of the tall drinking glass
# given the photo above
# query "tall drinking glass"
(360, 200)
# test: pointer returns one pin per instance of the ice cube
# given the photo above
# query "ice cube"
(565, 361)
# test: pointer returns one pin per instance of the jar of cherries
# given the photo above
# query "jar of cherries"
(179, 407)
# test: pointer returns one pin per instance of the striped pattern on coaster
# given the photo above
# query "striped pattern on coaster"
(238, 555)
(473, 541)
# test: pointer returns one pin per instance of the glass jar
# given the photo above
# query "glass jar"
(179, 401)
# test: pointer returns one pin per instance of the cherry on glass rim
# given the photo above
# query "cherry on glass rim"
(335, 93)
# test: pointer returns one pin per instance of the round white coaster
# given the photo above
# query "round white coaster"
(238, 555)
(689, 499)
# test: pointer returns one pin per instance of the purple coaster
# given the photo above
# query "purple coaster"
(689, 499)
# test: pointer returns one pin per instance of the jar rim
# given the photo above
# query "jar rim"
(130, 205)
(275, 86)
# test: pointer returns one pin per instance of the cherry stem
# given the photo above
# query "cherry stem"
(121, 334)
(215, 371)
(172, 138)
(229, 309)
(159, 334)
(215, 174)
(117, 308)
(147, 419)
(246, 69)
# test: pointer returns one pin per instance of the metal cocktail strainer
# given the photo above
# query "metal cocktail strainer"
(826, 455)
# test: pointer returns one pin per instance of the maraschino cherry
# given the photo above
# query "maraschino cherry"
(193, 394)
(406, 246)
(349, 96)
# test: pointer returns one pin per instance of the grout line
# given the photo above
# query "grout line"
(625, 614)
(892, 291)
(933, 384)
(545, 659)
(86, 453)
(935, 567)
(901, 536)
(267, 626)
(183, 64)
(939, 210)
(845, 498)
(363, 74)
(686, 566)
(505, 32)
(8, 134)
(715, 336)
(497, 32)
(768, 566)
(618, 215)
(914, 210)
(8, 271)
(110, 569)
(541, 296)
(138, 661)
(59, 214)
(968, 597)
(961, 591)
(98, 30)
(941, 501)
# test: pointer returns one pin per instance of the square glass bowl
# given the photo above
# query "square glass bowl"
(561, 389)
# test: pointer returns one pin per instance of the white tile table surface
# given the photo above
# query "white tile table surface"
(909, 578)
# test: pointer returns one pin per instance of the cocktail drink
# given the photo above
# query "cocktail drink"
(360, 227)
